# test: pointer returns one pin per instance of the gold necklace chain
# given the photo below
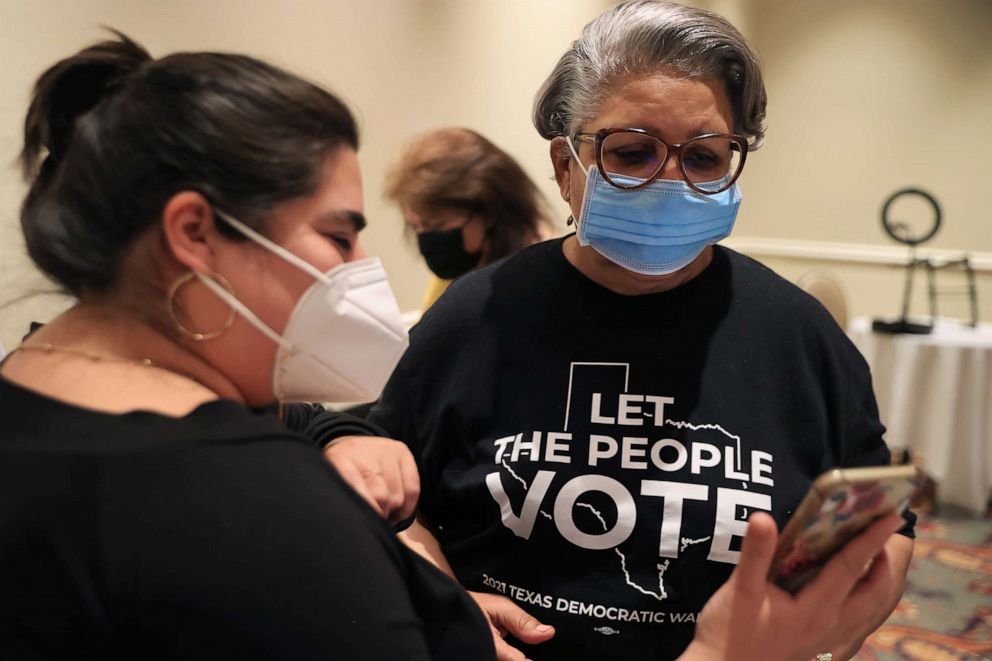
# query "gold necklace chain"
(49, 348)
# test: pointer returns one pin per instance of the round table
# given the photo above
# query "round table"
(935, 397)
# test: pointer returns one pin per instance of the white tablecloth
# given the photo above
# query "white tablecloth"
(934, 394)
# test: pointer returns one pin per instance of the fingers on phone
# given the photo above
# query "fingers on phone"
(845, 569)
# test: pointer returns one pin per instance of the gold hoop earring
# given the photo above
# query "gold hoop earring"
(170, 304)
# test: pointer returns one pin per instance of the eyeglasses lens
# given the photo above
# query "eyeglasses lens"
(632, 155)
(706, 162)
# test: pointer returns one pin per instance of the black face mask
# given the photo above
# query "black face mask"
(445, 254)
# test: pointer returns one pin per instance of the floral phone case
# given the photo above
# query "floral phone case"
(840, 504)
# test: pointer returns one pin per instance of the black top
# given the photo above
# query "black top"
(216, 535)
(595, 456)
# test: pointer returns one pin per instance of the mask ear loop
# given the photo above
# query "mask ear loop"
(568, 141)
(301, 264)
(236, 305)
(575, 155)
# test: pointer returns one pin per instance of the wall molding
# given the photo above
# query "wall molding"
(856, 253)
(825, 251)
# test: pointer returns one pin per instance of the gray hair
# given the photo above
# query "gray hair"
(644, 36)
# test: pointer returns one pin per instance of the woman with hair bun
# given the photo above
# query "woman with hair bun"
(205, 210)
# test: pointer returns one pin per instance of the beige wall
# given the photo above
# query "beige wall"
(404, 66)
(866, 96)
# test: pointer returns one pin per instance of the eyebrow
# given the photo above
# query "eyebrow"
(691, 134)
(357, 219)
(354, 218)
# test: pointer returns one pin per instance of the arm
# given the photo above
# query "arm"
(503, 615)
(281, 559)
(865, 445)
(379, 469)
(420, 540)
(322, 426)
(751, 618)
(862, 444)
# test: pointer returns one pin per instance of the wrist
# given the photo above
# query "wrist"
(698, 651)
(334, 441)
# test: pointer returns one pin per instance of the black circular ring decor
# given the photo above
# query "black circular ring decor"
(886, 223)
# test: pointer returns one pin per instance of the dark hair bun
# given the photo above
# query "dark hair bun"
(70, 89)
(112, 134)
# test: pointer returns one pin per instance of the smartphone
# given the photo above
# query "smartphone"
(839, 505)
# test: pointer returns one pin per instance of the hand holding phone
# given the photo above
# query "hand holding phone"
(839, 505)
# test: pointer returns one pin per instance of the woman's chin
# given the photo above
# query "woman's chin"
(634, 283)
(618, 279)
(641, 283)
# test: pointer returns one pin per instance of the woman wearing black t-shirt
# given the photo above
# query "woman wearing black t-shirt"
(596, 417)
(204, 209)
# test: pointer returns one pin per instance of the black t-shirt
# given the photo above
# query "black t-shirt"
(595, 456)
(216, 535)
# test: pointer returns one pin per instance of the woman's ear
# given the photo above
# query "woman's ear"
(561, 159)
(189, 231)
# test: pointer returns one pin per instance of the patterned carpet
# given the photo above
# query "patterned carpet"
(946, 611)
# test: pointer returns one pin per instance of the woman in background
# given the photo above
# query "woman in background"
(468, 202)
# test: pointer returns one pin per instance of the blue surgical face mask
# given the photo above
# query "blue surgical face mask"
(654, 230)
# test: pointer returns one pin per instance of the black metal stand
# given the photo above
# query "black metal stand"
(968, 289)
(903, 325)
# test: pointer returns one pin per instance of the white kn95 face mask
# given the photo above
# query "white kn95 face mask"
(344, 335)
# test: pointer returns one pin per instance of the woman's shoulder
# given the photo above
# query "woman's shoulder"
(35, 422)
(293, 546)
(763, 289)
(224, 509)
(769, 306)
